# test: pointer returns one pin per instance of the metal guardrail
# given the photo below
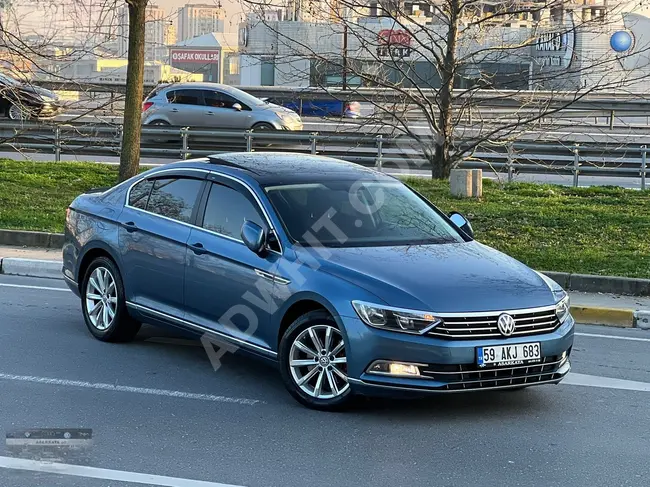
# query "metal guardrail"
(603, 101)
(378, 151)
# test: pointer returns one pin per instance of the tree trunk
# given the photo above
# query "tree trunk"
(130, 156)
(442, 159)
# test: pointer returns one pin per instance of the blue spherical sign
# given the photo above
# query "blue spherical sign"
(621, 41)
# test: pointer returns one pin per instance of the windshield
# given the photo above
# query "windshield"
(358, 213)
(245, 98)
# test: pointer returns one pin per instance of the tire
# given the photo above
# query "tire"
(334, 396)
(159, 123)
(263, 127)
(14, 112)
(120, 327)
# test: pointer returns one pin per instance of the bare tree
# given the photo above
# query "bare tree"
(447, 60)
(130, 156)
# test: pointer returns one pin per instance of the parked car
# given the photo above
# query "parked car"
(347, 279)
(214, 105)
(23, 101)
(321, 108)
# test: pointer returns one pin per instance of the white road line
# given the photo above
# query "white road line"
(605, 382)
(613, 337)
(137, 390)
(103, 473)
(41, 288)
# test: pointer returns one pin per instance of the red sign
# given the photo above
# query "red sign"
(196, 56)
(390, 37)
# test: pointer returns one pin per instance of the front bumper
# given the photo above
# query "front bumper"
(449, 365)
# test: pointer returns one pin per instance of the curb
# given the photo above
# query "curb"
(589, 315)
(21, 238)
(601, 284)
(571, 282)
(51, 269)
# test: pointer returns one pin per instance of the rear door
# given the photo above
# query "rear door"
(186, 108)
(220, 111)
(155, 227)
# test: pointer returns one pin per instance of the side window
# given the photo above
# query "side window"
(185, 97)
(226, 211)
(220, 100)
(174, 198)
(140, 194)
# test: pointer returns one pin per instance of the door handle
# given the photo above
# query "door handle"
(198, 248)
(175, 110)
(209, 113)
(130, 227)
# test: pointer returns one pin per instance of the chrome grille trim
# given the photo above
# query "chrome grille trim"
(527, 322)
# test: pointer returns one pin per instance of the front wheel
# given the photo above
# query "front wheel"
(313, 362)
(104, 304)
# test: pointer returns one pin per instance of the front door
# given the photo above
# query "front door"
(228, 288)
(220, 111)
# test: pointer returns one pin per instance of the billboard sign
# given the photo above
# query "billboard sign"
(195, 56)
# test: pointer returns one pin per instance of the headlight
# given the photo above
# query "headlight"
(285, 117)
(395, 319)
(563, 307)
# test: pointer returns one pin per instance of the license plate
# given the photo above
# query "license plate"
(503, 355)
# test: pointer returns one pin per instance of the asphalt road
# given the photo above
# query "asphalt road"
(159, 408)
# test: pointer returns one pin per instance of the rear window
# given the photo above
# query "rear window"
(174, 198)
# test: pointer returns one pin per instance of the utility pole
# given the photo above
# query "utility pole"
(345, 54)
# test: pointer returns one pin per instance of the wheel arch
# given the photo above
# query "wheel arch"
(301, 304)
(90, 252)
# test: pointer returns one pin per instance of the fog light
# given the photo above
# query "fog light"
(397, 369)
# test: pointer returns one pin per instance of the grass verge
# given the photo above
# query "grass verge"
(598, 230)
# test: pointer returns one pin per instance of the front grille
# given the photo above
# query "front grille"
(470, 376)
(485, 325)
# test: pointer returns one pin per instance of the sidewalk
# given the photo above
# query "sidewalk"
(587, 308)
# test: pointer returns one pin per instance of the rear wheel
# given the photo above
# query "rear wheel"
(159, 139)
(313, 362)
(104, 304)
(16, 112)
(263, 127)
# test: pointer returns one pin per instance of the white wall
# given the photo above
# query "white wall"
(250, 71)
(292, 72)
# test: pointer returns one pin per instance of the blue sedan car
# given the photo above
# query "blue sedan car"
(347, 279)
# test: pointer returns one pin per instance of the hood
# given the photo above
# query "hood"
(46, 95)
(444, 278)
(280, 109)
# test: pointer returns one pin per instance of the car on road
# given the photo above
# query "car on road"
(22, 101)
(214, 105)
(347, 279)
(320, 108)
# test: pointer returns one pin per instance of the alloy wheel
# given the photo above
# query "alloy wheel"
(318, 362)
(17, 113)
(101, 298)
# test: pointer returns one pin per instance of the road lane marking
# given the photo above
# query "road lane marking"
(103, 473)
(605, 382)
(613, 337)
(40, 288)
(137, 390)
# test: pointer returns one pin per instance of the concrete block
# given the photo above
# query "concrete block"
(609, 284)
(32, 267)
(642, 319)
(460, 183)
(477, 183)
(562, 278)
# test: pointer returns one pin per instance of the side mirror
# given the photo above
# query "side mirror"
(461, 222)
(253, 236)
(237, 106)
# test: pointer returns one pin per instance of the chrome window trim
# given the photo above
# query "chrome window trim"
(201, 328)
(461, 314)
(205, 171)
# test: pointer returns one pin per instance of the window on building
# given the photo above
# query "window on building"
(267, 74)
(233, 65)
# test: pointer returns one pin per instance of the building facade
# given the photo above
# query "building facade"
(213, 56)
(156, 27)
(198, 19)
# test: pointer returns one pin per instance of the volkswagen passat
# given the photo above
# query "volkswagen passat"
(349, 280)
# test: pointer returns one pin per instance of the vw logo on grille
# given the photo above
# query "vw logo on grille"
(506, 324)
